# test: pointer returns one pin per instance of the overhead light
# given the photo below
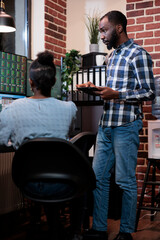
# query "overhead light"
(6, 21)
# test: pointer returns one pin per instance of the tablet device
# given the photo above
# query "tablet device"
(89, 90)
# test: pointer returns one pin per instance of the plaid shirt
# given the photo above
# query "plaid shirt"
(129, 71)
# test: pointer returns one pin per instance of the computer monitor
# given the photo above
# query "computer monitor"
(29, 91)
(56, 90)
(12, 74)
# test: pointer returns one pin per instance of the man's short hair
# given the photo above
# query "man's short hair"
(116, 17)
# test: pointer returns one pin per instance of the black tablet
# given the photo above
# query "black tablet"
(89, 90)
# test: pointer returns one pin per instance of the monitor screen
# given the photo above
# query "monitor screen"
(56, 90)
(29, 91)
(12, 74)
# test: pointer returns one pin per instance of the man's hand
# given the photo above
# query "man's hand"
(107, 93)
(88, 84)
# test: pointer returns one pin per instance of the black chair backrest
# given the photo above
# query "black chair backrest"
(84, 141)
(52, 160)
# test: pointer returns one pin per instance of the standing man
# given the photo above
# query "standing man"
(129, 81)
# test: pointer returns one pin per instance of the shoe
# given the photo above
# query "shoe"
(123, 236)
(95, 235)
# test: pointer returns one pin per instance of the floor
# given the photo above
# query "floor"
(147, 230)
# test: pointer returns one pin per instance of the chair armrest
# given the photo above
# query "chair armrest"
(80, 135)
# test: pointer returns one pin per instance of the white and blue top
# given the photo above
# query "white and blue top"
(30, 118)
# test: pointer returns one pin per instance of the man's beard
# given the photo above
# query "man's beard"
(113, 41)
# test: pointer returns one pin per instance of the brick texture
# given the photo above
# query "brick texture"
(55, 28)
(144, 26)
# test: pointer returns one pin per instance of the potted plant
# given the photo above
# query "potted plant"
(92, 24)
(71, 64)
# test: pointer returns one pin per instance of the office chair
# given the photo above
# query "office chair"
(84, 141)
(82, 208)
(52, 160)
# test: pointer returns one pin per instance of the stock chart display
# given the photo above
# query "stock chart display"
(13, 73)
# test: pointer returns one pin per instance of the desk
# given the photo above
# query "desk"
(5, 149)
(10, 199)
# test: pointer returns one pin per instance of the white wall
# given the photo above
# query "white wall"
(21, 38)
(37, 28)
(77, 36)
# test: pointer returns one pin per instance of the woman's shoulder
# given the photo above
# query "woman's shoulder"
(16, 102)
(66, 105)
(12, 107)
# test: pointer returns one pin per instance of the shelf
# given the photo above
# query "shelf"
(94, 74)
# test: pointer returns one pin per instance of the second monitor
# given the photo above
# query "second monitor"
(56, 90)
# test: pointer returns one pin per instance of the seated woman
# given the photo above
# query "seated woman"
(38, 116)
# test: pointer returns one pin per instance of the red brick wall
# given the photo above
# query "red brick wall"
(144, 27)
(55, 28)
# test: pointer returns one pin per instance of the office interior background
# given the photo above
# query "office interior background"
(59, 26)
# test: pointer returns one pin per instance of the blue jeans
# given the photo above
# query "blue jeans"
(44, 189)
(116, 146)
